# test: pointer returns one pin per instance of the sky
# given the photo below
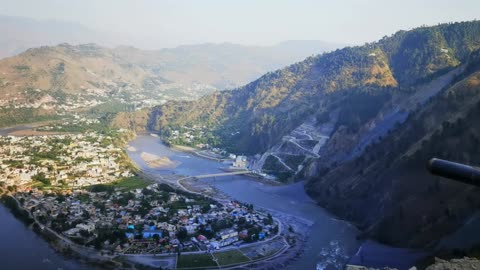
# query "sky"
(169, 23)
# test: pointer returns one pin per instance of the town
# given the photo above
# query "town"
(82, 186)
(153, 219)
(72, 160)
(123, 96)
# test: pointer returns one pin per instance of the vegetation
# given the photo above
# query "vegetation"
(445, 127)
(11, 116)
(22, 68)
(230, 257)
(126, 184)
(358, 81)
(195, 260)
(21, 214)
(110, 107)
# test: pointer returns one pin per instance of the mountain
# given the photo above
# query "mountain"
(67, 70)
(388, 191)
(357, 124)
(56, 79)
(268, 108)
(48, 82)
(19, 34)
(222, 66)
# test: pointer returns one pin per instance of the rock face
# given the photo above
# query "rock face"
(387, 190)
(455, 264)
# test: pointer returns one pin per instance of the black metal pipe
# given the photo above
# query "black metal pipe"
(455, 171)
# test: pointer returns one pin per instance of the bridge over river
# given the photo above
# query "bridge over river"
(220, 174)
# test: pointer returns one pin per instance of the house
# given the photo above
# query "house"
(190, 229)
(150, 233)
(202, 238)
(243, 234)
(240, 162)
(90, 227)
(174, 242)
(228, 234)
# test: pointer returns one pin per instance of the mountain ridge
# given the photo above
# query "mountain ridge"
(79, 77)
(344, 69)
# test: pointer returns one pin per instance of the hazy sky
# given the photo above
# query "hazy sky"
(261, 22)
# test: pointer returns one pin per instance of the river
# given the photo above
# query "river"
(21, 248)
(5, 131)
(331, 242)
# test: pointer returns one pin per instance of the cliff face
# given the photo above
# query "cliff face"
(359, 124)
(388, 192)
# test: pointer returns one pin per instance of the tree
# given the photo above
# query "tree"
(40, 177)
(206, 208)
(182, 233)
(156, 237)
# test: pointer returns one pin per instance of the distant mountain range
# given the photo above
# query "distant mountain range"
(19, 34)
(225, 65)
(219, 65)
(49, 79)
(359, 123)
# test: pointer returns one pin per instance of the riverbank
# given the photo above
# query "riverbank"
(295, 230)
(327, 240)
(59, 243)
(198, 152)
(31, 132)
(288, 203)
(64, 246)
(292, 232)
(56, 241)
(369, 253)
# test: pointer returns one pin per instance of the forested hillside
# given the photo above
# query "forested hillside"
(387, 190)
(359, 124)
(270, 107)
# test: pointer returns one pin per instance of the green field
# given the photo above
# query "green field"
(126, 184)
(230, 257)
(195, 260)
(130, 183)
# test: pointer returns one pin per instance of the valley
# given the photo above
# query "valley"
(237, 156)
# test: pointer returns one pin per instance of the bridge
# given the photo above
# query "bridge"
(221, 174)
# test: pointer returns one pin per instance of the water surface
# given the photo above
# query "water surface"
(21, 248)
(331, 242)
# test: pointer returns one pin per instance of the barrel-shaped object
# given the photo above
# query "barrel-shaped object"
(455, 171)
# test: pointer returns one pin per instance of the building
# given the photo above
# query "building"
(240, 162)
(150, 233)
